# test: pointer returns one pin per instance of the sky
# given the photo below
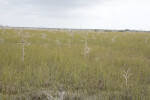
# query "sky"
(92, 14)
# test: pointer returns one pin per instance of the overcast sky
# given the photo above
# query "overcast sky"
(101, 14)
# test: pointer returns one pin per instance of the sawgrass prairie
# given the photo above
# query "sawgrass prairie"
(78, 64)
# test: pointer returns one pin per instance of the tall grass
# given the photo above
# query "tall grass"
(49, 65)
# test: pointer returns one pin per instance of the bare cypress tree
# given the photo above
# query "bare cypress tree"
(86, 48)
(23, 42)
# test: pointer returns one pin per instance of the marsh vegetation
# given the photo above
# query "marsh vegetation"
(74, 65)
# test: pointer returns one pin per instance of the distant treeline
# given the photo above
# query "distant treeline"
(99, 30)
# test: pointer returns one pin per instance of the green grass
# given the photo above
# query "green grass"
(52, 63)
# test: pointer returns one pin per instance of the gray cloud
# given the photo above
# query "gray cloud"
(58, 3)
(53, 4)
(47, 8)
(132, 14)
